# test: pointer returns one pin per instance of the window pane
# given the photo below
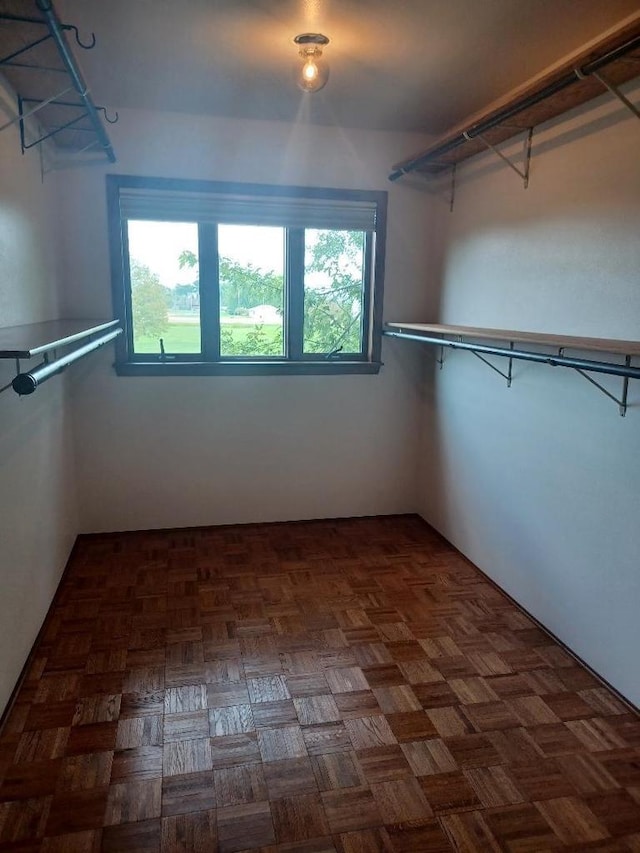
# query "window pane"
(165, 295)
(333, 291)
(251, 290)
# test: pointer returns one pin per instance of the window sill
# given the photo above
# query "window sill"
(246, 368)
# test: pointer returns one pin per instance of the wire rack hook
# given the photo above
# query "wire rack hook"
(79, 41)
(113, 120)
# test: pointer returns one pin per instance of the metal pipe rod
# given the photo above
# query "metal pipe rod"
(55, 28)
(507, 112)
(26, 383)
(609, 368)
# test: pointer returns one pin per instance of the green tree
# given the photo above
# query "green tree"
(333, 310)
(150, 302)
(243, 286)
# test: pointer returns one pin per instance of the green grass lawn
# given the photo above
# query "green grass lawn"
(185, 337)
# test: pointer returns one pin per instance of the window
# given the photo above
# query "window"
(215, 278)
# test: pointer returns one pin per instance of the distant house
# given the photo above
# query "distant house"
(265, 314)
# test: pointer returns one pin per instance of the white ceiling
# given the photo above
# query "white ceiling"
(395, 64)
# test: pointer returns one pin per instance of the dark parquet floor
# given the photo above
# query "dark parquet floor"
(351, 686)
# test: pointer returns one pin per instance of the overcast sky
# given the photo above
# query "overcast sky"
(159, 244)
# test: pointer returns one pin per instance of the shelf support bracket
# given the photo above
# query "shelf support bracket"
(508, 375)
(39, 106)
(622, 402)
(522, 173)
(617, 93)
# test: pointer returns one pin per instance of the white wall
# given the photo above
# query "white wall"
(539, 485)
(38, 520)
(159, 452)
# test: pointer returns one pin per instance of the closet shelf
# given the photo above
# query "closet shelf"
(601, 65)
(468, 337)
(609, 345)
(39, 65)
(39, 338)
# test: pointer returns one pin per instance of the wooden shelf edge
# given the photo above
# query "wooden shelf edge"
(608, 345)
(36, 338)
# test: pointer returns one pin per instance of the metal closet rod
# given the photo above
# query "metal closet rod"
(508, 112)
(609, 368)
(26, 383)
(46, 7)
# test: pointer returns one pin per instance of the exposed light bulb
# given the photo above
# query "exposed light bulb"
(314, 73)
(310, 70)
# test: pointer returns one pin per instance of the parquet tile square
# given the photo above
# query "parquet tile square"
(420, 837)
(139, 731)
(88, 770)
(397, 699)
(449, 722)
(94, 737)
(312, 710)
(30, 780)
(361, 703)
(383, 763)
(384, 675)
(242, 783)
(87, 841)
(542, 780)
(280, 743)
(234, 749)
(352, 686)
(132, 801)
(143, 762)
(469, 831)
(572, 820)
(142, 836)
(239, 826)
(298, 818)
(326, 738)
(495, 786)
(192, 792)
(428, 757)
(23, 820)
(364, 841)
(189, 726)
(366, 732)
(39, 745)
(337, 770)
(411, 726)
(189, 833)
(345, 679)
(230, 720)
(449, 792)
(350, 809)
(401, 800)
(290, 778)
(74, 811)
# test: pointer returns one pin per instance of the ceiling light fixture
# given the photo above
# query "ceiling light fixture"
(314, 73)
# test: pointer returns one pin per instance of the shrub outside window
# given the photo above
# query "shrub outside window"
(216, 278)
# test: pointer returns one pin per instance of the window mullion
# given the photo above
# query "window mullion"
(209, 290)
(366, 322)
(295, 292)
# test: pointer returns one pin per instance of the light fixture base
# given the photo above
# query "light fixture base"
(311, 38)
